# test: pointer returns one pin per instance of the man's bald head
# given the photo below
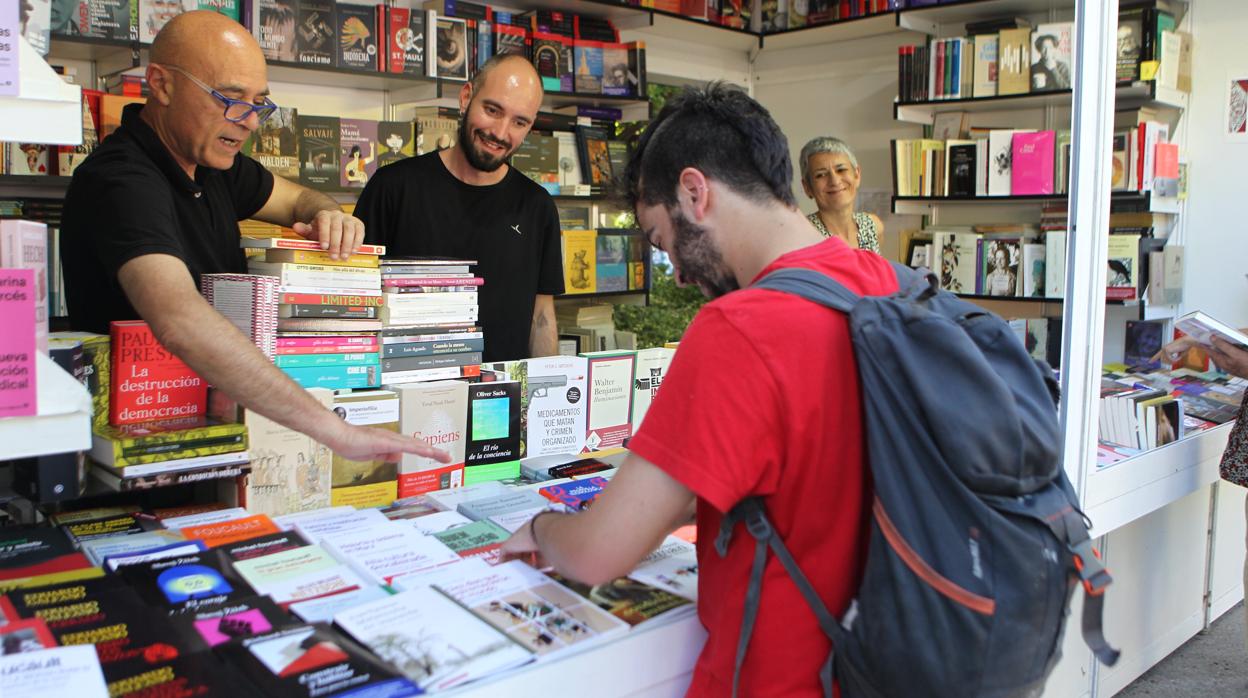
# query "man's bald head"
(200, 61)
(511, 70)
(201, 40)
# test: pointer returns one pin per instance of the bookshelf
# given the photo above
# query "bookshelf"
(828, 32)
(929, 20)
(33, 186)
(1136, 94)
(926, 205)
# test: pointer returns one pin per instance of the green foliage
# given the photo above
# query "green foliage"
(670, 311)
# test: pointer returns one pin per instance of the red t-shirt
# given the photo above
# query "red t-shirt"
(762, 398)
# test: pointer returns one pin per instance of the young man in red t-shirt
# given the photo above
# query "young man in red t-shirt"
(762, 398)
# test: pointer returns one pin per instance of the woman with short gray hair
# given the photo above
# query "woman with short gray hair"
(830, 176)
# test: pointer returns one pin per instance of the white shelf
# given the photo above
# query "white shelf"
(655, 662)
(832, 32)
(1136, 94)
(63, 423)
(46, 109)
(936, 20)
(1135, 487)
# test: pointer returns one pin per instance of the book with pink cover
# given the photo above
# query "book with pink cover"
(1032, 163)
(17, 343)
(24, 245)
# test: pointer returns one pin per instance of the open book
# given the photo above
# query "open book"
(1201, 327)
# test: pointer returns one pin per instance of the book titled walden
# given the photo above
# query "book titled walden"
(149, 383)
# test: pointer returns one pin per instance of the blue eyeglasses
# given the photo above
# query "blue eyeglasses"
(235, 110)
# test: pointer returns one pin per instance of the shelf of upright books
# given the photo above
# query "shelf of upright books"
(62, 422)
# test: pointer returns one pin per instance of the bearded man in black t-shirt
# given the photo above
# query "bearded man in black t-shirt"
(467, 202)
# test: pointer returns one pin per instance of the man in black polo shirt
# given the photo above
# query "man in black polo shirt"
(158, 204)
(467, 202)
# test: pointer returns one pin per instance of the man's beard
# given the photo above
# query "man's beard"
(478, 159)
(699, 259)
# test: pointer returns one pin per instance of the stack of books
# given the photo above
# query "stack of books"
(158, 454)
(429, 310)
(327, 312)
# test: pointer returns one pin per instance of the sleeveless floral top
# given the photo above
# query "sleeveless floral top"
(1234, 466)
(868, 236)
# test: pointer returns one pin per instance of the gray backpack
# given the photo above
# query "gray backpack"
(976, 540)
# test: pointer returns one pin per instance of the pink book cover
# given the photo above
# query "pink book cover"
(1032, 163)
(17, 342)
(24, 245)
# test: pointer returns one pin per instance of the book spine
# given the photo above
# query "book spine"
(431, 374)
(345, 312)
(325, 279)
(338, 359)
(317, 258)
(148, 482)
(415, 363)
(291, 342)
(129, 468)
(434, 281)
(416, 337)
(433, 348)
(332, 349)
(336, 377)
(429, 289)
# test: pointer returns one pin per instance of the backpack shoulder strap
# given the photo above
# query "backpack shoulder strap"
(820, 288)
(812, 285)
(753, 515)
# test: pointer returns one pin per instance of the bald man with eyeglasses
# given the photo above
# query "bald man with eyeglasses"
(157, 205)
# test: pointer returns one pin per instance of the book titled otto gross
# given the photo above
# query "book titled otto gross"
(149, 383)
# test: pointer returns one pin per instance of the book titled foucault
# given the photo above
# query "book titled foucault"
(149, 383)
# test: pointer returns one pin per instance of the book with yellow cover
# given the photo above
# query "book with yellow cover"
(317, 257)
(133, 444)
(366, 483)
(580, 261)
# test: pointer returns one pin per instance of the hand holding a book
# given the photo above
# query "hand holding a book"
(1229, 357)
(339, 233)
(370, 443)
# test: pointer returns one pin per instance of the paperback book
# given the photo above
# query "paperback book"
(438, 413)
(493, 448)
(313, 661)
(150, 383)
(431, 639)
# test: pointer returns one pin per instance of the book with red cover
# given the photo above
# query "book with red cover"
(31, 552)
(149, 383)
(26, 635)
(576, 495)
(1031, 170)
(404, 31)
